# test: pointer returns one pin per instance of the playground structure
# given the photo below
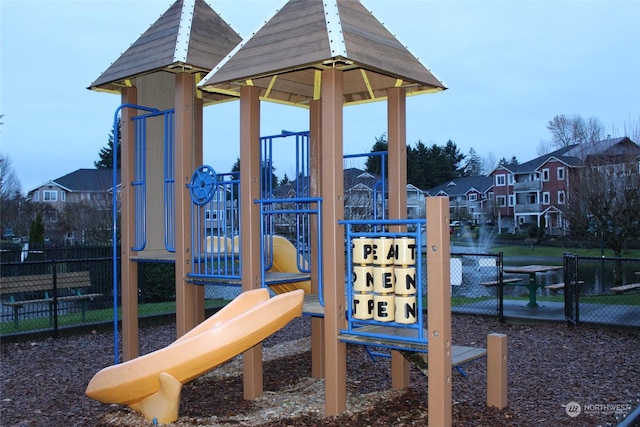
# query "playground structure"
(220, 228)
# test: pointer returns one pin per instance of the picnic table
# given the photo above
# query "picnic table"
(532, 284)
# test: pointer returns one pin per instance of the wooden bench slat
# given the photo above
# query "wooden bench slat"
(44, 282)
(78, 297)
(496, 282)
(623, 288)
(560, 285)
(461, 354)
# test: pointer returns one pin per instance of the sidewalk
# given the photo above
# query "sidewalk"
(601, 314)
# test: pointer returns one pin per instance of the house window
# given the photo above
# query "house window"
(36, 196)
(50, 195)
(63, 196)
(500, 180)
(561, 174)
(501, 201)
(546, 198)
(512, 200)
(210, 215)
(561, 197)
(511, 179)
(473, 197)
(545, 174)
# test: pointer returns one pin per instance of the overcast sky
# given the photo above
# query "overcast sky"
(510, 66)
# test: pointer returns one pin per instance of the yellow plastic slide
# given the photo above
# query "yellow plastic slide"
(151, 384)
(284, 261)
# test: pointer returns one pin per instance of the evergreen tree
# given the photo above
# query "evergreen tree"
(416, 164)
(473, 166)
(36, 231)
(105, 157)
(513, 162)
(426, 166)
(373, 165)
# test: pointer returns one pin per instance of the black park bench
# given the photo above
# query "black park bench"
(38, 288)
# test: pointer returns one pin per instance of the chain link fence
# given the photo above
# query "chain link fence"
(602, 290)
(52, 289)
(474, 283)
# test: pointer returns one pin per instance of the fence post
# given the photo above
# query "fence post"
(54, 266)
(500, 288)
(571, 289)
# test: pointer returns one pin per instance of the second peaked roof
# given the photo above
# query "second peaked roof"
(462, 186)
(576, 155)
(188, 37)
(285, 56)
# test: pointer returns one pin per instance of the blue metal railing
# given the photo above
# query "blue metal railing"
(139, 182)
(379, 198)
(169, 183)
(380, 229)
(302, 209)
(114, 216)
(215, 234)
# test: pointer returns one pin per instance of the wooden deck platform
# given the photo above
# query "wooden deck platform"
(459, 354)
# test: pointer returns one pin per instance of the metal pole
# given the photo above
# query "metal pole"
(602, 260)
(55, 299)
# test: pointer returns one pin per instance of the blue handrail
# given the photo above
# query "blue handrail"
(114, 224)
(269, 207)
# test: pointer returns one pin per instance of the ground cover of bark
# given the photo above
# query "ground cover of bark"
(43, 381)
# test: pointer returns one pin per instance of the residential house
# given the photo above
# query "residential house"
(362, 197)
(536, 193)
(470, 198)
(88, 192)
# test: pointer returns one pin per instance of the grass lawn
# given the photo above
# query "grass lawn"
(95, 316)
(549, 251)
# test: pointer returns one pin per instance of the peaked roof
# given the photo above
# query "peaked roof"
(84, 180)
(576, 155)
(285, 56)
(463, 185)
(189, 36)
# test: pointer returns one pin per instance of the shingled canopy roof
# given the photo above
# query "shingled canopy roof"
(188, 37)
(285, 57)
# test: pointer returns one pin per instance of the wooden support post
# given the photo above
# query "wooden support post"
(397, 139)
(186, 315)
(198, 159)
(129, 273)
(497, 370)
(439, 311)
(332, 187)
(250, 223)
(315, 155)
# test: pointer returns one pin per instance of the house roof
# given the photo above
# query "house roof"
(189, 36)
(285, 56)
(462, 186)
(575, 155)
(87, 180)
